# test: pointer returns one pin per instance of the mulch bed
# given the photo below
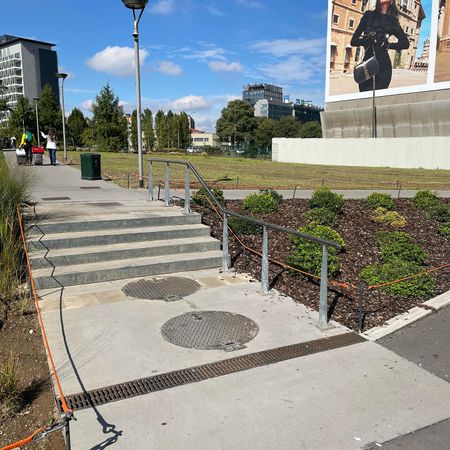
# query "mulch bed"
(358, 232)
(21, 337)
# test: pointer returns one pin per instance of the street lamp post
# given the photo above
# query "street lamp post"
(63, 76)
(138, 5)
(37, 121)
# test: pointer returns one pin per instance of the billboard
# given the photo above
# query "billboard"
(410, 40)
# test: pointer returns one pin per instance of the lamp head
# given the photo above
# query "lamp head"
(61, 75)
(135, 4)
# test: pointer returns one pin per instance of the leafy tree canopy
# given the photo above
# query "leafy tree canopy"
(76, 125)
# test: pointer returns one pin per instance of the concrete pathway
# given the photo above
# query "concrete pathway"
(348, 398)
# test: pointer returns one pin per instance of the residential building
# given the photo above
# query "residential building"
(26, 66)
(301, 110)
(262, 91)
(203, 139)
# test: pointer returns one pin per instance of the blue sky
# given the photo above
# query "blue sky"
(196, 54)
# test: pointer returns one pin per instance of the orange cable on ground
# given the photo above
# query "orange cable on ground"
(434, 269)
(23, 441)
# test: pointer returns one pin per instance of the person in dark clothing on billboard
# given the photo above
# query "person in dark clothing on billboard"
(373, 33)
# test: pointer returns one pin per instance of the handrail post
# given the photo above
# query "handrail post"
(167, 185)
(187, 195)
(265, 263)
(67, 435)
(361, 306)
(226, 255)
(323, 307)
(150, 180)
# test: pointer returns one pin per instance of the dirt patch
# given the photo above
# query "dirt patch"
(21, 337)
(358, 232)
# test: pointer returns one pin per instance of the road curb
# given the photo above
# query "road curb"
(408, 317)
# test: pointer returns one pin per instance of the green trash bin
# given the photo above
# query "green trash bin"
(90, 166)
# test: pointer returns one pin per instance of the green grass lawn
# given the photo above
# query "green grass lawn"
(254, 173)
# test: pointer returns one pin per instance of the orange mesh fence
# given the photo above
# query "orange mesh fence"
(67, 412)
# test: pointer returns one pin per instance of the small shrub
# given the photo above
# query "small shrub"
(426, 199)
(322, 216)
(392, 218)
(380, 200)
(9, 391)
(324, 198)
(397, 246)
(201, 196)
(307, 255)
(423, 286)
(266, 201)
(276, 196)
(439, 212)
(242, 226)
(445, 229)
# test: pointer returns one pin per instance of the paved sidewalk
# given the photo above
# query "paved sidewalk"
(347, 398)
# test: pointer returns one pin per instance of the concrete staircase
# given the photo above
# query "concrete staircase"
(73, 250)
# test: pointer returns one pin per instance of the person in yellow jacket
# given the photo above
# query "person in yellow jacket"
(27, 144)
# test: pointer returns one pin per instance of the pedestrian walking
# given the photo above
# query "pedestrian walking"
(51, 145)
(27, 144)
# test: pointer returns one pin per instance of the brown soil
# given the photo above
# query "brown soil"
(358, 232)
(21, 337)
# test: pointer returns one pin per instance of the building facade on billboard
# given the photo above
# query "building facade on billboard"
(442, 73)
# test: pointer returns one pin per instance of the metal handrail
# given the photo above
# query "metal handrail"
(323, 308)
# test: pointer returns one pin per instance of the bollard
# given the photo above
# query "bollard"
(225, 253)
(167, 186)
(150, 180)
(295, 190)
(237, 182)
(187, 195)
(265, 263)
(361, 306)
(128, 180)
(323, 306)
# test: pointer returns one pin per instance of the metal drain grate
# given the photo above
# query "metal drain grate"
(52, 199)
(105, 204)
(169, 289)
(210, 330)
(90, 187)
(206, 371)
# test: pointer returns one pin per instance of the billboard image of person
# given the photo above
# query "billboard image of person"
(442, 72)
(397, 32)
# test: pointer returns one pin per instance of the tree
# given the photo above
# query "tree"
(134, 134)
(264, 133)
(76, 124)
(109, 124)
(311, 130)
(147, 127)
(237, 123)
(184, 140)
(288, 127)
(160, 129)
(49, 111)
(21, 118)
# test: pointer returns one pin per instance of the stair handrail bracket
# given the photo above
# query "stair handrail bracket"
(326, 244)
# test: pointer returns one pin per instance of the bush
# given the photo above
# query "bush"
(439, 212)
(426, 199)
(423, 286)
(392, 218)
(380, 200)
(445, 229)
(307, 255)
(10, 396)
(324, 198)
(397, 246)
(266, 201)
(242, 226)
(201, 196)
(322, 216)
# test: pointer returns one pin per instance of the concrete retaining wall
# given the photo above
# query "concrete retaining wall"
(424, 152)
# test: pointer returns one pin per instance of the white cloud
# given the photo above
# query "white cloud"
(191, 103)
(164, 7)
(251, 4)
(214, 11)
(285, 47)
(222, 66)
(87, 105)
(213, 53)
(294, 68)
(169, 68)
(79, 91)
(118, 61)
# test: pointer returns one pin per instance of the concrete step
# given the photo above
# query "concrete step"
(106, 223)
(129, 250)
(117, 236)
(123, 269)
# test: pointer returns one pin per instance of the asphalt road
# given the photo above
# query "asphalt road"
(425, 343)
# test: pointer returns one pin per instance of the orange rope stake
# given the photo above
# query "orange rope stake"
(42, 432)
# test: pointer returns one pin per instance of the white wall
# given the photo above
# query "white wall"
(432, 152)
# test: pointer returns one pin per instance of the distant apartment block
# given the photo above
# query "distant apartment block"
(26, 66)
(203, 139)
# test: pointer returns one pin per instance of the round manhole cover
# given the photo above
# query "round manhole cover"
(168, 289)
(208, 330)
